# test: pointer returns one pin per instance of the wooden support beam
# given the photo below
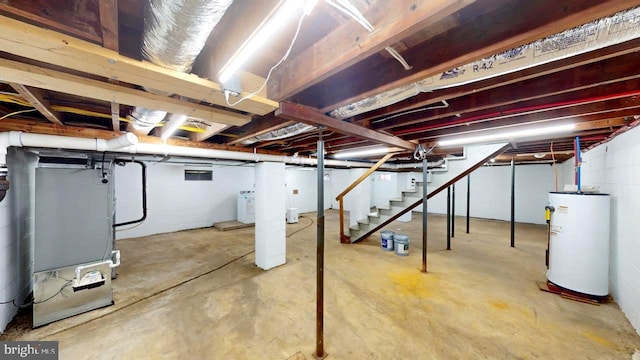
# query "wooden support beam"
(212, 129)
(38, 127)
(76, 17)
(71, 84)
(36, 98)
(603, 98)
(486, 28)
(312, 116)
(54, 48)
(576, 114)
(109, 24)
(537, 72)
(350, 43)
(109, 29)
(260, 126)
(590, 76)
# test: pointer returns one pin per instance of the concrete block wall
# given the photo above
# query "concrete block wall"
(615, 167)
(491, 193)
(17, 213)
(174, 204)
(302, 188)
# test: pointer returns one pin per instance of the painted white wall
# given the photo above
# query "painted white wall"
(615, 167)
(17, 213)
(174, 204)
(304, 180)
(339, 182)
(383, 189)
(491, 193)
(358, 201)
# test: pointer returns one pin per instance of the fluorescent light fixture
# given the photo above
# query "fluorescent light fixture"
(274, 23)
(174, 122)
(362, 152)
(508, 135)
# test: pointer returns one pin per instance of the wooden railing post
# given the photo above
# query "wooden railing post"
(343, 238)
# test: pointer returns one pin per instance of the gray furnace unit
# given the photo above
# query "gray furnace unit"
(74, 242)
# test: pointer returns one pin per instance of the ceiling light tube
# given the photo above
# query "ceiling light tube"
(274, 22)
(362, 153)
(507, 135)
(174, 122)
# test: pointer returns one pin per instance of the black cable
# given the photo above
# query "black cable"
(54, 295)
(158, 292)
(297, 231)
(22, 306)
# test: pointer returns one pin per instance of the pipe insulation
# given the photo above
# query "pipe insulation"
(175, 31)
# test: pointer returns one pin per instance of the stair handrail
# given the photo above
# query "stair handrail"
(471, 169)
(340, 198)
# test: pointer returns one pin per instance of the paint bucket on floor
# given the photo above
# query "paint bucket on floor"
(387, 240)
(401, 244)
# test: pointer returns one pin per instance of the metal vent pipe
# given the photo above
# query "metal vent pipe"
(175, 31)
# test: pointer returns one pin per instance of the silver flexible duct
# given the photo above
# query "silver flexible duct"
(175, 31)
(282, 133)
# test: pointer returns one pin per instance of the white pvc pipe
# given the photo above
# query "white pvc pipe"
(129, 143)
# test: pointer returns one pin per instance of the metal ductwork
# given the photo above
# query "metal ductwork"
(175, 31)
(282, 133)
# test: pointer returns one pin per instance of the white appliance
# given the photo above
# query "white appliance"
(292, 215)
(246, 210)
(579, 243)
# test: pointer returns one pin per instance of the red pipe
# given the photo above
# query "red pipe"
(525, 109)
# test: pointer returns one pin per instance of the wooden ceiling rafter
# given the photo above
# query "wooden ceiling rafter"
(351, 42)
(37, 98)
(489, 28)
(588, 113)
(110, 40)
(575, 80)
(58, 49)
(428, 98)
(312, 116)
(71, 84)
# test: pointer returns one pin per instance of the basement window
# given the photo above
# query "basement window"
(198, 175)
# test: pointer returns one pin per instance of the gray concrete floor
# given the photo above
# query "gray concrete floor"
(197, 295)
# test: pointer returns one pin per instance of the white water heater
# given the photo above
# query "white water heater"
(579, 242)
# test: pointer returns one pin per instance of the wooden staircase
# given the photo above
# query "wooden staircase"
(477, 156)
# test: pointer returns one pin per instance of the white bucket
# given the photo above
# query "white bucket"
(401, 244)
(387, 240)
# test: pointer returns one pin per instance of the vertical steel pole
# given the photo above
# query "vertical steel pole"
(453, 210)
(320, 255)
(449, 218)
(468, 199)
(424, 214)
(513, 203)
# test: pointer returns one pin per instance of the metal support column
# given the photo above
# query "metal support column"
(320, 354)
(424, 214)
(449, 218)
(453, 210)
(468, 199)
(513, 203)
